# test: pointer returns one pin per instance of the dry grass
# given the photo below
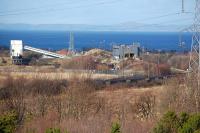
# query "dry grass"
(78, 104)
(47, 97)
(50, 72)
(100, 123)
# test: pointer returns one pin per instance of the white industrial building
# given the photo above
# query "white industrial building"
(17, 47)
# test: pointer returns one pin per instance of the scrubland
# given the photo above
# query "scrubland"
(83, 105)
(49, 99)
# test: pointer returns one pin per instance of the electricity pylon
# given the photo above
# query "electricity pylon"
(183, 10)
(194, 65)
(71, 42)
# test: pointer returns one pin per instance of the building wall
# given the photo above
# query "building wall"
(16, 48)
(120, 51)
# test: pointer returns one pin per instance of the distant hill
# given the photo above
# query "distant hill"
(83, 27)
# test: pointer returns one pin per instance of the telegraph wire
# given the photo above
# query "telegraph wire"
(38, 8)
(60, 9)
(99, 3)
(163, 16)
(94, 4)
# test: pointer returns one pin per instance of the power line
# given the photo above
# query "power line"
(163, 16)
(161, 24)
(40, 7)
(94, 4)
(60, 9)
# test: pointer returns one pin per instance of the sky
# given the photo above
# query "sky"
(96, 12)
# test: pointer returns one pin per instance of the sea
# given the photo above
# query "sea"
(56, 40)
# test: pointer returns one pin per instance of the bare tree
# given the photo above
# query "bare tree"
(13, 95)
(145, 105)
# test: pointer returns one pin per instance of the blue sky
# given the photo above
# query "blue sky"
(95, 12)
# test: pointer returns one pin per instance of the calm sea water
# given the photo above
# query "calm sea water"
(56, 40)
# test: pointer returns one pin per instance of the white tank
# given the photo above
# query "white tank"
(16, 48)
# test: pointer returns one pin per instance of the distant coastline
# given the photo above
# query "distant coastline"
(124, 27)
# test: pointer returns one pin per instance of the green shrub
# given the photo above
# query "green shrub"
(8, 122)
(184, 123)
(183, 118)
(168, 124)
(191, 125)
(54, 130)
(115, 128)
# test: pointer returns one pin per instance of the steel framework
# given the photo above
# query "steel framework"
(194, 65)
(44, 52)
(71, 42)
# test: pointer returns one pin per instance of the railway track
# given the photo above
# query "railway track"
(137, 78)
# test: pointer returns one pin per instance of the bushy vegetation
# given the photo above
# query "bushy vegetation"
(54, 130)
(192, 125)
(40, 103)
(84, 62)
(37, 98)
(173, 123)
(8, 122)
(116, 128)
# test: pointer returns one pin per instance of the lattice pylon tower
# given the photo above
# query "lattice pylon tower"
(194, 65)
(71, 42)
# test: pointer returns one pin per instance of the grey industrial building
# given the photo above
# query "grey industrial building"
(126, 51)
